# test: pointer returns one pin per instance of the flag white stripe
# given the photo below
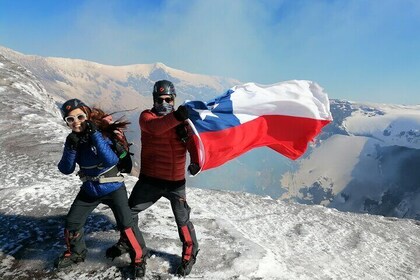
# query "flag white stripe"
(292, 98)
(201, 150)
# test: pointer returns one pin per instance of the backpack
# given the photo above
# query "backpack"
(121, 147)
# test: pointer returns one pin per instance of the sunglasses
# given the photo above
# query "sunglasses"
(72, 119)
(166, 99)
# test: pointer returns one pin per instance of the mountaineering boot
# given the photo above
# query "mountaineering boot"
(185, 267)
(68, 258)
(139, 269)
(118, 249)
(76, 249)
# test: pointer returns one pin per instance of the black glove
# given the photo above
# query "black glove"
(181, 114)
(193, 168)
(90, 127)
(181, 131)
(72, 141)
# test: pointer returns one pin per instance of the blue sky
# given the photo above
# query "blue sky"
(360, 50)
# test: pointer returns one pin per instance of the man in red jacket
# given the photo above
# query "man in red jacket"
(165, 141)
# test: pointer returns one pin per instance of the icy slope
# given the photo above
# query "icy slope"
(29, 126)
(241, 236)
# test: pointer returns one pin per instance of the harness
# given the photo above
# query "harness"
(110, 176)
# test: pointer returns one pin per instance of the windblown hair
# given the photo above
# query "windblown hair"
(86, 110)
(99, 117)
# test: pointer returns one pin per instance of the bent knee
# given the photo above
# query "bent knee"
(181, 212)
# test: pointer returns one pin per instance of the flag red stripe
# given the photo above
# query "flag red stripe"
(285, 134)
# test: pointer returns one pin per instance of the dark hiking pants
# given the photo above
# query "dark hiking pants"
(146, 193)
(83, 205)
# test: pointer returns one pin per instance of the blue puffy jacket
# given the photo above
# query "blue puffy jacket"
(94, 157)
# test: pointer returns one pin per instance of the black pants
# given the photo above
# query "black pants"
(147, 192)
(83, 205)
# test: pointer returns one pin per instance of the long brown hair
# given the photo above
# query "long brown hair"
(101, 120)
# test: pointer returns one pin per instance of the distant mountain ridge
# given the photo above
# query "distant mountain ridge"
(365, 161)
(118, 87)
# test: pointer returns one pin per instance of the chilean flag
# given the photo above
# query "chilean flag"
(284, 116)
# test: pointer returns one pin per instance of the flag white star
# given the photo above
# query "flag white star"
(204, 113)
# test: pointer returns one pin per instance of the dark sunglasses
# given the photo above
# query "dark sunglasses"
(166, 99)
(72, 119)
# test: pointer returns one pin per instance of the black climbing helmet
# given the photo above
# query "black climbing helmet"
(163, 87)
(72, 104)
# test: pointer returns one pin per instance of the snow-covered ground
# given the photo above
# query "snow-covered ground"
(241, 236)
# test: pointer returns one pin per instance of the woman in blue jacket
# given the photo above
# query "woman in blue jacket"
(102, 183)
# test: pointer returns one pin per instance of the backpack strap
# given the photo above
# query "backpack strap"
(102, 179)
(112, 175)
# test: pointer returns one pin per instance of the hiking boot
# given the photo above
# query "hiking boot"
(67, 259)
(139, 269)
(117, 250)
(186, 266)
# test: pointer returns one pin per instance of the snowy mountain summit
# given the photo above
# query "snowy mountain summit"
(241, 236)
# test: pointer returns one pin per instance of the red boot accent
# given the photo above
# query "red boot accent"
(134, 244)
(188, 241)
(67, 238)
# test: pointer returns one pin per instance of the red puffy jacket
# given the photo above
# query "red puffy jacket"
(163, 155)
